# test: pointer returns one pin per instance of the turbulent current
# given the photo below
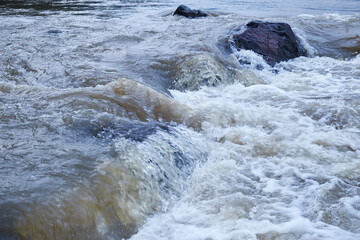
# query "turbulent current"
(119, 120)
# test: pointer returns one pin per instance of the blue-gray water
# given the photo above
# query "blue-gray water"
(96, 144)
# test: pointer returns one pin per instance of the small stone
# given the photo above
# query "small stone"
(54, 31)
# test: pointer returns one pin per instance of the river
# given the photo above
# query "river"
(109, 131)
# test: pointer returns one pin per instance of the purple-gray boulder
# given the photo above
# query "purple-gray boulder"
(276, 42)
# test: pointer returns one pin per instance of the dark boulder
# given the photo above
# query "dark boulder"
(185, 11)
(54, 31)
(276, 42)
(133, 130)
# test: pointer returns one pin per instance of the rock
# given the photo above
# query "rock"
(134, 130)
(185, 11)
(54, 31)
(276, 42)
(199, 70)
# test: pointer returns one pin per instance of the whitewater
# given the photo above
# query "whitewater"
(110, 130)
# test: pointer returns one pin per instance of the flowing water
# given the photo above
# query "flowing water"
(119, 120)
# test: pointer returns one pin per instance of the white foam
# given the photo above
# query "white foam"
(273, 167)
(330, 16)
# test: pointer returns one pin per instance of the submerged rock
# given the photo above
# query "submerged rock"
(133, 130)
(276, 42)
(185, 11)
(201, 70)
(54, 31)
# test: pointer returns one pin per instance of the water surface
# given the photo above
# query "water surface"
(97, 142)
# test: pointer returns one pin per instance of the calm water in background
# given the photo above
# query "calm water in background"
(85, 155)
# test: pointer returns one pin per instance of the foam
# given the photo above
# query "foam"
(272, 170)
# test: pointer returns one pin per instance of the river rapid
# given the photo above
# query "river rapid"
(119, 120)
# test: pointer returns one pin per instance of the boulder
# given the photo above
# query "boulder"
(134, 130)
(276, 42)
(54, 31)
(185, 11)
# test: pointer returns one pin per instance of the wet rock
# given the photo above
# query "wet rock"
(196, 71)
(185, 11)
(276, 42)
(54, 31)
(133, 130)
